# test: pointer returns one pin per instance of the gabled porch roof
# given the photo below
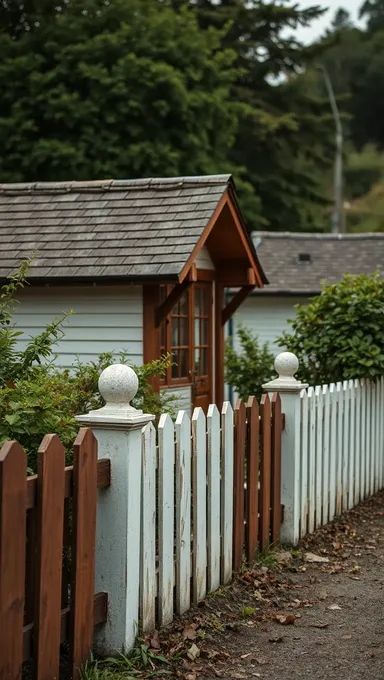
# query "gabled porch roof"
(140, 230)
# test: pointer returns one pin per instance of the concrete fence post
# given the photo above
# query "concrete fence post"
(286, 365)
(117, 427)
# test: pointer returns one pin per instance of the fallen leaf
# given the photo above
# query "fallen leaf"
(334, 607)
(285, 620)
(245, 656)
(190, 676)
(193, 653)
(312, 558)
(319, 625)
(283, 557)
(356, 569)
(189, 632)
(153, 641)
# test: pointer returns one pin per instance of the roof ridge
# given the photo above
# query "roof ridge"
(114, 184)
(315, 236)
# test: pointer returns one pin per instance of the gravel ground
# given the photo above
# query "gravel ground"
(344, 596)
(287, 618)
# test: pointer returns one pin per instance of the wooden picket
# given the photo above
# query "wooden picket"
(166, 518)
(199, 466)
(12, 558)
(33, 620)
(342, 449)
(186, 512)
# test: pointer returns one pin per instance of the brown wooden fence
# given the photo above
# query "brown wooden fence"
(257, 477)
(47, 556)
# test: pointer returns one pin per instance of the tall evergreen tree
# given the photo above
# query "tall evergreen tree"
(112, 88)
(284, 137)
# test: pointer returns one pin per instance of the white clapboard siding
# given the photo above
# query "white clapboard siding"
(105, 319)
(267, 316)
(213, 423)
(226, 491)
(341, 449)
(199, 468)
(166, 517)
(148, 534)
(183, 512)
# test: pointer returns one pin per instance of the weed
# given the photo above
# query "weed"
(247, 612)
(267, 558)
(220, 592)
(141, 657)
(215, 624)
(93, 670)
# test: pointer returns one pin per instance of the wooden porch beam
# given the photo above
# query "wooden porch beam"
(237, 277)
(235, 303)
(177, 291)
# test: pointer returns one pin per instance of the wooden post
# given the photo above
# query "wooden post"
(13, 472)
(117, 428)
(286, 365)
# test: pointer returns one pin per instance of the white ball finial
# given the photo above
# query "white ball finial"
(118, 384)
(286, 365)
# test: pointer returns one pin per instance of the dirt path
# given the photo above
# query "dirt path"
(294, 619)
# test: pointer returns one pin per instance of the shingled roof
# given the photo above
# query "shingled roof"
(114, 228)
(297, 263)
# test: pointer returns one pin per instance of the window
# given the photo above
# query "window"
(186, 334)
(175, 338)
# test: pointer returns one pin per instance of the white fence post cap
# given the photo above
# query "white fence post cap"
(286, 365)
(118, 385)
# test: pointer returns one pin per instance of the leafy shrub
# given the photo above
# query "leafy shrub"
(339, 335)
(37, 398)
(247, 370)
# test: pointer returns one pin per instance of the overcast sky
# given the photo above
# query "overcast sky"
(317, 28)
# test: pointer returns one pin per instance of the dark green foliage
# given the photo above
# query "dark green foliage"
(248, 369)
(339, 335)
(284, 139)
(133, 88)
(124, 88)
(36, 398)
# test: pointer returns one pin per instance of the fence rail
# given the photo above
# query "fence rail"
(341, 449)
(43, 602)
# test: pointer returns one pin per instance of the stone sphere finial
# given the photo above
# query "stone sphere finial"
(118, 384)
(286, 365)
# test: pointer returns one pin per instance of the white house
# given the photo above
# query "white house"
(144, 264)
(295, 265)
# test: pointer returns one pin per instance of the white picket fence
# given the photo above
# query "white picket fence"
(187, 512)
(341, 449)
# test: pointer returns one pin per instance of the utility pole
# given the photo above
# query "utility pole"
(337, 216)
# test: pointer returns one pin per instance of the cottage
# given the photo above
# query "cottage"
(144, 265)
(296, 264)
